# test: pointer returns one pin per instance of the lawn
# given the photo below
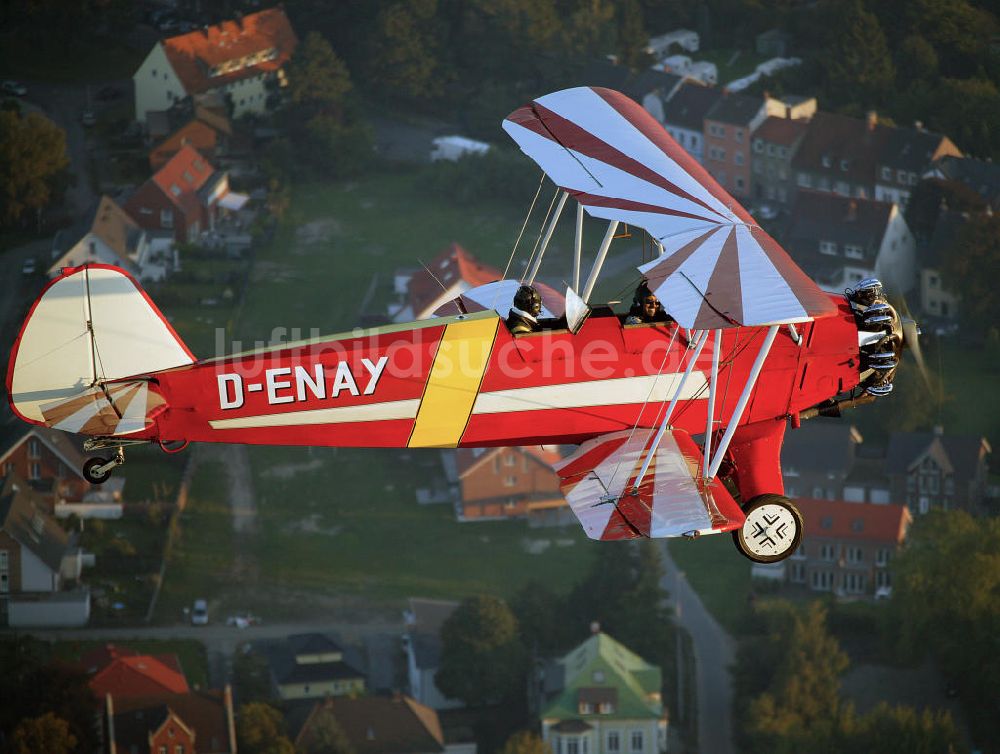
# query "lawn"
(190, 652)
(719, 574)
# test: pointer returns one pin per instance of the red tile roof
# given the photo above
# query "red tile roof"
(837, 519)
(181, 177)
(194, 133)
(103, 656)
(467, 458)
(140, 675)
(204, 712)
(452, 266)
(194, 55)
(784, 131)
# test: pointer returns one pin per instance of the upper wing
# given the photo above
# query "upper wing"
(672, 500)
(718, 268)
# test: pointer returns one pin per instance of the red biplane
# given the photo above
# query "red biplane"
(679, 423)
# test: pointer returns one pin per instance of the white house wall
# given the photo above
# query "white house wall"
(35, 575)
(65, 610)
(692, 141)
(81, 253)
(248, 96)
(896, 262)
(157, 86)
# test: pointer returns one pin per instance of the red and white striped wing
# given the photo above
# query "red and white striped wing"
(672, 500)
(718, 268)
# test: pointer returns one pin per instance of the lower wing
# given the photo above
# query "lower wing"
(672, 500)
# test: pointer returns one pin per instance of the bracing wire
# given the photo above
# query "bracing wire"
(541, 232)
(524, 225)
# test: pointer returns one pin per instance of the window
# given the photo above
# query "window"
(572, 746)
(163, 750)
(782, 151)
(739, 183)
(844, 164)
(855, 555)
(886, 173)
(509, 481)
(842, 188)
(882, 556)
(175, 189)
(586, 708)
(933, 281)
(4, 573)
(827, 552)
(827, 161)
(854, 583)
(166, 218)
(179, 749)
(804, 180)
(605, 708)
(509, 460)
(614, 743)
(738, 136)
(34, 449)
(822, 581)
(853, 251)
(883, 578)
(188, 177)
(637, 740)
(738, 158)
(154, 73)
(35, 471)
(758, 146)
(770, 150)
(901, 176)
(830, 248)
(798, 573)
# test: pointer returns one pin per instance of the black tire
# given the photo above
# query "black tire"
(754, 539)
(91, 473)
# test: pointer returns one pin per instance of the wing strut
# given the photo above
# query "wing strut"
(758, 364)
(548, 237)
(716, 353)
(90, 326)
(599, 262)
(698, 344)
(578, 247)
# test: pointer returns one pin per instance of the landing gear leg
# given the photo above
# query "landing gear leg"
(98, 470)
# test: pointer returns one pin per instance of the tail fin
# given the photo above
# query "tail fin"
(92, 326)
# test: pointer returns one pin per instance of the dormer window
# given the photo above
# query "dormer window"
(175, 189)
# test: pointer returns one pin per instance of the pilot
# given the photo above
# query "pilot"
(646, 307)
(523, 316)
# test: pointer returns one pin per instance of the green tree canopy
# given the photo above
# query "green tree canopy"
(260, 730)
(859, 66)
(972, 266)
(318, 80)
(482, 658)
(325, 735)
(32, 155)
(405, 56)
(47, 734)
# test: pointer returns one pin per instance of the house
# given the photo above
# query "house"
(186, 197)
(375, 725)
(238, 63)
(128, 675)
(450, 274)
(206, 129)
(603, 699)
(980, 176)
(310, 666)
(660, 46)
(847, 547)
(817, 458)
(839, 240)
(934, 470)
(906, 155)
(50, 460)
(840, 154)
(635, 84)
(704, 71)
(193, 722)
(682, 112)
(422, 644)
(502, 483)
(40, 564)
(105, 234)
(774, 146)
(727, 132)
(937, 302)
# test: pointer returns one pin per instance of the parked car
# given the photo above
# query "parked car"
(29, 267)
(199, 613)
(13, 87)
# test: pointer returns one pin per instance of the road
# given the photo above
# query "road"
(714, 654)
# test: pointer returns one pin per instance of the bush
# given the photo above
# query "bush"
(498, 175)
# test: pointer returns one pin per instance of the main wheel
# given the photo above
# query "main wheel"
(772, 531)
(92, 471)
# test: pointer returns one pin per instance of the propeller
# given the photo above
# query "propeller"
(911, 340)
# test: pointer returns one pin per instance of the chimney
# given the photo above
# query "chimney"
(871, 119)
(852, 211)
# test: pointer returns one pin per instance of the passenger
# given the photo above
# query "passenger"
(523, 316)
(646, 307)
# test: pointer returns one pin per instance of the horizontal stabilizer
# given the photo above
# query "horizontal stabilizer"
(672, 500)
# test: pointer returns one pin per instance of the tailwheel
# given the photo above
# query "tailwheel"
(772, 531)
(98, 470)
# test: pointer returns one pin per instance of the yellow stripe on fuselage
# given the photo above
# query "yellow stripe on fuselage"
(453, 384)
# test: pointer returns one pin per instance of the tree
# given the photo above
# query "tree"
(902, 730)
(632, 35)
(405, 57)
(260, 730)
(860, 69)
(916, 59)
(318, 80)
(251, 677)
(32, 155)
(525, 742)
(482, 657)
(325, 735)
(972, 267)
(47, 734)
